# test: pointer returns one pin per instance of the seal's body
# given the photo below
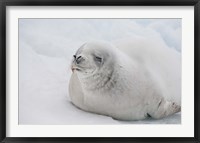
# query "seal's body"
(109, 82)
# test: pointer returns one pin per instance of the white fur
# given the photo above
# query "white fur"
(145, 77)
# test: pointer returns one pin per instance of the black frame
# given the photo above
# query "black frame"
(4, 3)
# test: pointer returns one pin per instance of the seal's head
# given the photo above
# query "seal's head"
(92, 58)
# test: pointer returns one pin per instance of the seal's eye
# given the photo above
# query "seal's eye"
(99, 59)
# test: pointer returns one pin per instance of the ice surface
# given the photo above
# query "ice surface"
(46, 47)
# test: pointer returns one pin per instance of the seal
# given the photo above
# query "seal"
(107, 81)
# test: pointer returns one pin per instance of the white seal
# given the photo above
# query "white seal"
(129, 86)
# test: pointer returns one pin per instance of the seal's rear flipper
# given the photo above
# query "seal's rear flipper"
(165, 108)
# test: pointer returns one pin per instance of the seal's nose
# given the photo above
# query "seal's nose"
(78, 60)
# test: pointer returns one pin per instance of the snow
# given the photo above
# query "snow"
(46, 47)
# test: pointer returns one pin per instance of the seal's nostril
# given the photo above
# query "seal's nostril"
(74, 56)
(78, 57)
(78, 60)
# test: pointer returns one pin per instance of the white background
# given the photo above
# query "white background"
(186, 13)
(46, 47)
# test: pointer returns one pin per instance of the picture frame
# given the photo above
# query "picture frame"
(3, 78)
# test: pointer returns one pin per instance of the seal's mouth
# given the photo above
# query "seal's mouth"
(75, 69)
